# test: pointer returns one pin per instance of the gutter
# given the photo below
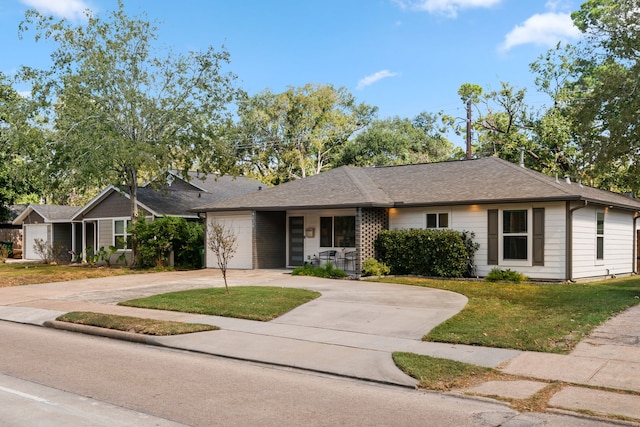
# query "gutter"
(569, 239)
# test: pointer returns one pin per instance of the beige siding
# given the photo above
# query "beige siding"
(105, 233)
(618, 243)
(474, 219)
(242, 226)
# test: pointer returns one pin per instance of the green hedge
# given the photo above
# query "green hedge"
(434, 253)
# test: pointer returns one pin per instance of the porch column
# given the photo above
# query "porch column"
(84, 241)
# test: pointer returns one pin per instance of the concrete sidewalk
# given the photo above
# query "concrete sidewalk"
(352, 330)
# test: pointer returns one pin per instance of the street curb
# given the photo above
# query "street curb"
(102, 332)
(151, 340)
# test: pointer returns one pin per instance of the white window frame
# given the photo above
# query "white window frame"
(124, 235)
(437, 214)
(528, 262)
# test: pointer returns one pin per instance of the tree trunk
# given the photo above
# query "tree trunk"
(133, 198)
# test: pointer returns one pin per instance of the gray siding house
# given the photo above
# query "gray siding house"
(543, 227)
(50, 223)
(103, 222)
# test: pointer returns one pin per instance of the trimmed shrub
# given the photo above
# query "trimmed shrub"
(373, 267)
(435, 253)
(327, 271)
(496, 275)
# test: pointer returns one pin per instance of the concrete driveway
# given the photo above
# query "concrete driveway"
(351, 330)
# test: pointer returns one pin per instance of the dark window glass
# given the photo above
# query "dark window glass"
(440, 220)
(514, 222)
(443, 220)
(515, 247)
(432, 221)
(345, 231)
(600, 223)
(600, 247)
(515, 239)
(326, 231)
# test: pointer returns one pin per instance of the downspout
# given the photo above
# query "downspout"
(569, 236)
(635, 242)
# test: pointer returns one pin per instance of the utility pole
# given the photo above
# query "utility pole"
(469, 153)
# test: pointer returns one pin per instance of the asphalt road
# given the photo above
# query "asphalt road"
(54, 378)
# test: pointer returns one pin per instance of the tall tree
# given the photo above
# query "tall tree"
(606, 112)
(124, 110)
(298, 132)
(505, 124)
(397, 141)
(21, 141)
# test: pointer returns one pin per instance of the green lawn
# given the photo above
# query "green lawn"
(245, 302)
(535, 317)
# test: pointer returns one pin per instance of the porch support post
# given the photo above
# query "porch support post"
(84, 241)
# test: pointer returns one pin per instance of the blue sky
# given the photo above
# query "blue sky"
(403, 56)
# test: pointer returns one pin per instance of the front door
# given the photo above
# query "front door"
(296, 240)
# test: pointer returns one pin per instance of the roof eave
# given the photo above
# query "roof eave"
(294, 207)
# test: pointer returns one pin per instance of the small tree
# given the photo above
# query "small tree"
(223, 242)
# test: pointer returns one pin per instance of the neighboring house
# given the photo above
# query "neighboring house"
(543, 227)
(50, 223)
(106, 217)
(103, 222)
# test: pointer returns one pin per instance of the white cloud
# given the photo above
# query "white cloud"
(448, 8)
(543, 29)
(369, 80)
(72, 10)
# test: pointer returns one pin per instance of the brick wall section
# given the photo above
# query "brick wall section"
(369, 222)
(269, 239)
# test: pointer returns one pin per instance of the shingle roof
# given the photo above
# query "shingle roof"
(50, 213)
(479, 181)
(174, 202)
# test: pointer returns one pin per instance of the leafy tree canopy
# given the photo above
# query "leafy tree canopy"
(21, 142)
(123, 109)
(296, 133)
(604, 83)
(397, 141)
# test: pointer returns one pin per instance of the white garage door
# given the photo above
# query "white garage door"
(31, 233)
(243, 229)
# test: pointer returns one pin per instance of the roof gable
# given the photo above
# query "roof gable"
(49, 213)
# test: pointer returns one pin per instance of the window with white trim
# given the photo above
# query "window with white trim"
(438, 220)
(121, 236)
(515, 236)
(600, 235)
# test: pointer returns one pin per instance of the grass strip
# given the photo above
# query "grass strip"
(549, 318)
(134, 324)
(442, 374)
(261, 303)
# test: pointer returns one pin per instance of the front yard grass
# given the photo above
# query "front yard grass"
(549, 318)
(262, 303)
(20, 274)
(134, 324)
(443, 374)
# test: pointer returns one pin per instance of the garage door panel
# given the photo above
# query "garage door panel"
(242, 227)
(31, 234)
